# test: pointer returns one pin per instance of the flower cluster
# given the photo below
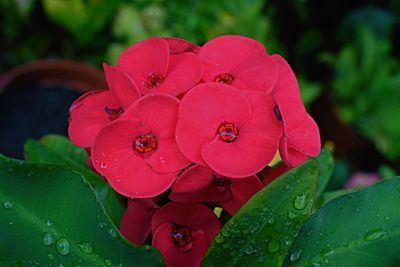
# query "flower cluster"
(200, 121)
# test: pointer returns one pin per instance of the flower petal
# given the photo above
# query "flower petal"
(174, 257)
(201, 112)
(291, 156)
(88, 115)
(242, 190)
(255, 146)
(136, 221)
(184, 72)
(121, 85)
(193, 179)
(242, 57)
(145, 58)
(193, 215)
(160, 113)
(179, 46)
(114, 157)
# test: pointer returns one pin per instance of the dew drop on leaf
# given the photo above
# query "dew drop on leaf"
(62, 246)
(85, 248)
(48, 239)
(295, 256)
(300, 201)
(7, 205)
(374, 235)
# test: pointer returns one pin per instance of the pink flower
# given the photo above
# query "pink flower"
(183, 233)
(136, 221)
(95, 109)
(154, 70)
(201, 184)
(137, 153)
(301, 135)
(238, 61)
(179, 46)
(233, 132)
(362, 179)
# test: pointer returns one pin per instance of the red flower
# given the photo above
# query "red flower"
(271, 173)
(89, 114)
(301, 135)
(183, 233)
(233, 132)
(179, 46)
(122, 86)
(238, 61)
(201, 184)
(136, 221)
(154, 70)
(95, 109)
(138, 154)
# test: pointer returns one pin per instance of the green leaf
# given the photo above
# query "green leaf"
(358, 229)
(60, 151)
(326, 168)
(261, 232)
(49, 216)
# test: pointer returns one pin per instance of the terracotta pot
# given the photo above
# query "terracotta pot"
(71, 74)
(32, 114)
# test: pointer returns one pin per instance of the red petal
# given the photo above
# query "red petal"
(201, 112)
(145, 58)
(174, 257)
(179, 46)
(242, 57)
(195, 216)
(291, 156)
(114, 157)
(256, 145)
(121, 85)
(184, 72)
(136, 221)
(160, 113)
(195, 185)
(193, 179)
(269, 174)
(88, 116)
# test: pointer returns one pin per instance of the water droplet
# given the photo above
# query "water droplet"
(49, 223)
(291, 215)
(50, 256)
(226, 233)
(103, 165)
(300, 201)
(295, 256)
(288, 243)
(374, 235)
(219, 239)
(7, 205)
(273, 246)
(288, 187)
(48, 239)
(225, 245)
(271, 220)
(387, 218)
(316, 264)
(112, 232)
(357, 210)
(249, 250)
(85, 248)
(108, 262)
(62, 246)
(102, 224)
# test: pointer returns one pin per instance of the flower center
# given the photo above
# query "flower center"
(221, 183)
(113, 113)
(277, 112)
(182, 237)
(154, 80)
(145, 143)
(225, 78)
(227, 132)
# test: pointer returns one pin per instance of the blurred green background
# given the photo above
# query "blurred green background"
(345, 50)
